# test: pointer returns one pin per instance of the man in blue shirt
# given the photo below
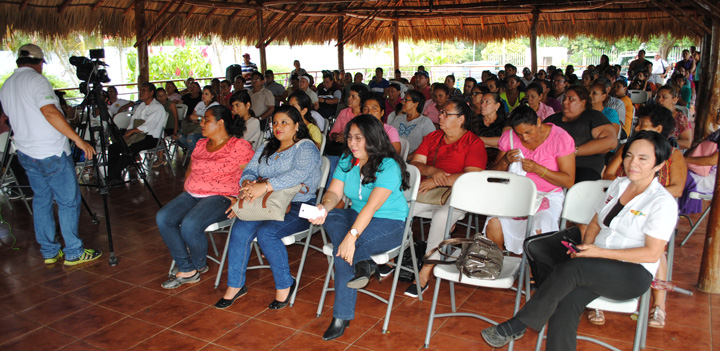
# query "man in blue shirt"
(247, 69)
(378, 83)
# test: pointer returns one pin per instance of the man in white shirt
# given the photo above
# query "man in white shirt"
(41, 137)
(154, 116)
(660, 68)
(263, 101)
(116, 104)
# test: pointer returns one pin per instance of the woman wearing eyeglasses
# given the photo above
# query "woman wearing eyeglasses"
(442, 157)
(411, 124)
(374, 104)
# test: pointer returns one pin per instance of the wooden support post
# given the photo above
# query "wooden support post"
(533, 42)
(396, 47)
(261, 35)
(709, 279)
(340, 46)
(142, 44)
(703, 89)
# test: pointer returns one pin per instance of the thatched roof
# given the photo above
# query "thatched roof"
(365, 22)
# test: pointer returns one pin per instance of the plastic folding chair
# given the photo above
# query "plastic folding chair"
(160, 147)
(302, 237)
(404, 148)
(122, 119)
(698, 196)
(509, 195)
(387, 256)
(638, 96)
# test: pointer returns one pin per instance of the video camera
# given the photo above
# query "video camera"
(89, 69)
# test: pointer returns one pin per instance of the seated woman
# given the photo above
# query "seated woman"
(546, 154)
(621, 251)
(374, 104)
(373, 176)
(212, 176)
(667, 96)
(492, 117)
(597, 99)
(242, 108)
(442, 157)
(411, 124)
(702, 163)
(593, 133)
(302, 103)
(535, 96)
(172, 93)
(512, 96)
(672, 176)
(287, 159)
(191, 132)
(172, 123)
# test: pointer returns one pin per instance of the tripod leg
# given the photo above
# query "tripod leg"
(113, 261)
(93, 216)
(152, 192)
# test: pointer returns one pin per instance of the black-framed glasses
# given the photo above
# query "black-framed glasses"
(445, 113)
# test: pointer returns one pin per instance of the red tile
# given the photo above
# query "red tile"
(124, 334)
(492, 302)
(440, 341)
(29, 297)
(210, 323)
(101, 290)
(308, 342)
(52, 310)
(170, 341)
(169, 311)
(401, 337)
(10, 285)
(87, 321)
(203, 292)
(80, 346)
(43, 339)
(72, 281)
(141, 274)
(213, 347)
(105, 269)
(133, 300)
(14, 326)
(42, 273)
(297, 316)
(415, 313)
(255, 335)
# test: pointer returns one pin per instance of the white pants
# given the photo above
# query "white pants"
(439, 216)
(546, 220)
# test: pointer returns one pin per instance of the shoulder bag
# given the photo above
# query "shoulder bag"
(479, 257)
(272, 206)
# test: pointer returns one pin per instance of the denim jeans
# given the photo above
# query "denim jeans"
(380, 235)
(53, 178)
(189, 141)
(182, 224)
(269, 235)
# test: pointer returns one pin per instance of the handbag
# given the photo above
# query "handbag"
(438, 195)
(479, 257)
(272, 206)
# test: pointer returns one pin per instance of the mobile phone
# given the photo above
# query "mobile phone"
(310, 212)
(570, 246)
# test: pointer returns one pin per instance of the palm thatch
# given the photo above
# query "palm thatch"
(365, 22)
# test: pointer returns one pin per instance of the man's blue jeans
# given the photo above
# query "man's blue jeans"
(269, 235)
(380, 235)
(189, 141)
(54, 178)
(182, 224)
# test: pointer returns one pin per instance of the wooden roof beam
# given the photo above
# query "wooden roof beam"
(63, 6)
(97, 5)
(707, 9)
(685, 15)
(24, 5)
(266, 38)
(687, 25)
(359, 28)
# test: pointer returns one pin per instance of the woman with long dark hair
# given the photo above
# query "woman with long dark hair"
(373, 176)
(213, 174)
(287, 159)
(242, 108)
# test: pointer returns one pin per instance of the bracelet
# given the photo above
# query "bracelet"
(545, 171)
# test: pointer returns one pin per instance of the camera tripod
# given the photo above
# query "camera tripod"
(100, 130)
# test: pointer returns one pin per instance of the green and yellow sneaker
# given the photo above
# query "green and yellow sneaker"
(87, 256)
(57, 257)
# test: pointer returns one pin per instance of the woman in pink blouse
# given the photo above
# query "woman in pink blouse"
(212, 176)
(373, 103)
(544, 153)
(534, 95)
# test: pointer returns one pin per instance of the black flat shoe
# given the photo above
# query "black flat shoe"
(336, 329)
(225, 303)
(276, 305)
(364, 270)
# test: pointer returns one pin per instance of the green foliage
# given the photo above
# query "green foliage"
(183, 62)
(514, 46)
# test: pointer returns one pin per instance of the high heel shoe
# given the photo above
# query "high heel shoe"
(336, 329)
(364, 270)
(225, 303)
(276, 305)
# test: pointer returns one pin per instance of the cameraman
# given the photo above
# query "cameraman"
(41, 137)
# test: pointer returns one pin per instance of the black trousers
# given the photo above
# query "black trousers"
(117, 160)
(583, 174)
(572, 285)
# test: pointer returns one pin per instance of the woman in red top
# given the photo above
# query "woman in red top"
(213, 175)
(442, 157)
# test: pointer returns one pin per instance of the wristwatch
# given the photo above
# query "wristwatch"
(354, 232)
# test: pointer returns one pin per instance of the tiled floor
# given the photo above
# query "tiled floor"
(98, 307)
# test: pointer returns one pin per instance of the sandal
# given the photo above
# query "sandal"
(657, 318)
(596, 317)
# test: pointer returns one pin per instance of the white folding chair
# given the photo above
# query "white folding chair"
(508, 195)
(404, 148)
(295, 238)
(683, 109)
(323, 143)
(387, 256)
(638, 96)
(579, 207)
(181, 111)
(693, 226)
(122, 119)
(160, 147)
(8, 181)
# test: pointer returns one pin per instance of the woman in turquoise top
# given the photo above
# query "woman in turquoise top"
(372, 176)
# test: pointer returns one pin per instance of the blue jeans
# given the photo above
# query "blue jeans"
(269, 235)
(189, 141)
(53, 178)
(182, 224)
(381, 235)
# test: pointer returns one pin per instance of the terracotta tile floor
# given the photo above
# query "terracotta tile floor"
(98, 307)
